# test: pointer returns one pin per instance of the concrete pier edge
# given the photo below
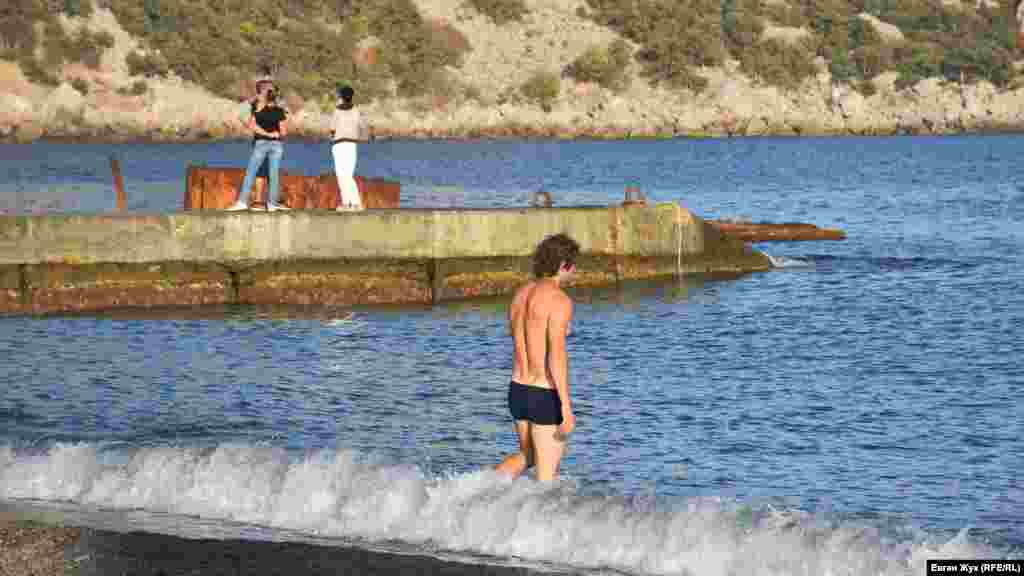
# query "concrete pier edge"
(82, 262)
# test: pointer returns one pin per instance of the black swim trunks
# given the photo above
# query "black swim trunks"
(538, 405)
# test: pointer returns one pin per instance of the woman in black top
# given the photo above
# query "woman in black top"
(269, 125)
(248, 108)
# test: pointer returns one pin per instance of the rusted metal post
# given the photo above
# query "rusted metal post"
(122, 198)
(215, 188)
(770, 232)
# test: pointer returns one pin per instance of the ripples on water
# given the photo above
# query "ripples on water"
(855, 409)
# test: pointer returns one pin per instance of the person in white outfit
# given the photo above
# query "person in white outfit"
(348, 128)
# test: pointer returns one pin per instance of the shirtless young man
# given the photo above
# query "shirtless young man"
(538, 395)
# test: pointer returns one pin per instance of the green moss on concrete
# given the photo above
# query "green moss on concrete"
(66, 287)
(457, 278)
(10, 278)
(12, 299)
(166, 275)
(335, 282)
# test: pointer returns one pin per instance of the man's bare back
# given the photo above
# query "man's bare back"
(533, 309)
(539, 392)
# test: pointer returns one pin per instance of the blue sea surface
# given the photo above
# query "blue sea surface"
(857, 409)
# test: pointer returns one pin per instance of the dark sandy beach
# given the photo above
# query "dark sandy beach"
(30, 547)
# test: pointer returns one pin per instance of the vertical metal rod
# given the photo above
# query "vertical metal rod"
(122, 198)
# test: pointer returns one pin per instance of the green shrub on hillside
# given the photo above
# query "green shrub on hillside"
(862, 63)
(309, 44)
(20, 21)
(500, 11)
(148, 65)
(56, 44)
(998, 24)
(866, 87)
(966, 44)
(130, 16)
(862, 33)
(985, 47)
(870, 61)
(80, 85)
(982, 61)
(915, 16)
(17, 33)
(862, 56)
(842, 68)
(671, 53)
(742, 24)
(36, 72)
(672, 58)
(308, 58)
(80, 8)
(603, 65)
(90, 46)
(542, 88)
(915, 62)
(138, 88)
(412, 49)
(830, 21)
(84, 45)
(786, 14)
(825, 16)
(741, 30)
(778, 63)
(674, 36)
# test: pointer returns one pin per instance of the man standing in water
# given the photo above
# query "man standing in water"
(538, 395)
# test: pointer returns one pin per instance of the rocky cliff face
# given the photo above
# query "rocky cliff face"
(107, 103)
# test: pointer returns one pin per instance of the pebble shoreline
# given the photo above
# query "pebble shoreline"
(32, 548)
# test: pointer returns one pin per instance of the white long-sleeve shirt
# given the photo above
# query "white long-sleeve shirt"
(347, 124)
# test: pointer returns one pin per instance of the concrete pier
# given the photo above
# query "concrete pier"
(66, 263)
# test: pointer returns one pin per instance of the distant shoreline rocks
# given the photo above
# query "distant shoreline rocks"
(731, 106)
(73, 128)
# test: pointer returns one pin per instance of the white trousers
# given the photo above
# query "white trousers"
(344, 168)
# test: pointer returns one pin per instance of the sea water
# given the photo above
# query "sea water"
(855, 410)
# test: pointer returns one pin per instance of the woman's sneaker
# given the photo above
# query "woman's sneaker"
(237, 206)
(274, 207)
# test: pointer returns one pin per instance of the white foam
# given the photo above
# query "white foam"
(342, 494)
(787, 262)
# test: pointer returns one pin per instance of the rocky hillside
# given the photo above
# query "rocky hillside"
(556, 70)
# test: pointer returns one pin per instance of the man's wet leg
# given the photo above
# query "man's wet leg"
(515, 464)
(549, 449)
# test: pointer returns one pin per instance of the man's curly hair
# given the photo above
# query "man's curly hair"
(552, 252)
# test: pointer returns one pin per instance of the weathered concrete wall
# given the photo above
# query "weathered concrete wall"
(87, 262)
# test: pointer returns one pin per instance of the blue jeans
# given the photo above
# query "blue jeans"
(272, 150)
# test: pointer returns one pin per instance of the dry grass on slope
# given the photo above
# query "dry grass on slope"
(549, 37)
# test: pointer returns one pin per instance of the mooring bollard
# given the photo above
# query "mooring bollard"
(541, 199)
(634, 196)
